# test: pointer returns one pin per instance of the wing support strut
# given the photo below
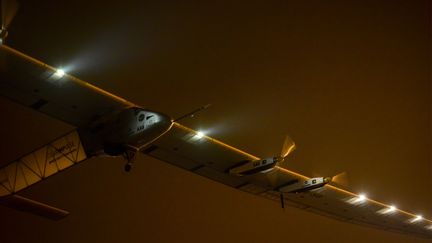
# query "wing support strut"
(282, 200)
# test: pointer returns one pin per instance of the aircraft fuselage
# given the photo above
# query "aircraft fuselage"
(134, 127)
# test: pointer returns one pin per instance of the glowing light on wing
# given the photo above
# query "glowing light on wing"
(199, 135)
(388, 210)
(59, 73)
(416, 219)
(361, 198)
(357, 198)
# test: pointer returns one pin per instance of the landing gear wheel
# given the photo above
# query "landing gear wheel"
(127, 167)
(129, 155)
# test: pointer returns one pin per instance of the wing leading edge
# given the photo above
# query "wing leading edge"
(37, 85)
(208, 157)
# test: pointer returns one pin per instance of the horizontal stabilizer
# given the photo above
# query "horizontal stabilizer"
(30, 206)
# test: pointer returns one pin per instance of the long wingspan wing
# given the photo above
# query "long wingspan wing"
(203, 155)
(211, 158)
(34, 167)
(34, 84)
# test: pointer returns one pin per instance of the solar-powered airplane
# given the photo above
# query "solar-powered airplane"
(107, 125)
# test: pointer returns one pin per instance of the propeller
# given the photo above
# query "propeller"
(9, 9)
(287, 148)
(341, 179)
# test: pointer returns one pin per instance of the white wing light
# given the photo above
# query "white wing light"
(199, 135)
(59, 73)
(361, 198)
(388, 210)
(416, 219)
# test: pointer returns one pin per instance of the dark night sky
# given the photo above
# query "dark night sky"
(350, 82)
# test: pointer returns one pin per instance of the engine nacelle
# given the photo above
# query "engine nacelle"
(306, 185)
(253, 166)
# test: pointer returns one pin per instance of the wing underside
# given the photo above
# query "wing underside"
(211, 158)
(36, 85)
(41, 163)
(34, 167)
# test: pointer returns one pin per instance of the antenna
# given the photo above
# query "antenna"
(192, 113)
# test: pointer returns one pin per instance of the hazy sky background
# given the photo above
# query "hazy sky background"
(349, 81)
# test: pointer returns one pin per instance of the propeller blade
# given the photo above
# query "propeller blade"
(8, 10)
(341, 179)
(288, 147)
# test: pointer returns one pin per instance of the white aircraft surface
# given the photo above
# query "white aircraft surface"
(108, 125)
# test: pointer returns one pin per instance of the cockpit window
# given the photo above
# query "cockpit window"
(141, 117)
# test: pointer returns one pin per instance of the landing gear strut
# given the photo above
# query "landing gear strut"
(129, 155)
(128, 167)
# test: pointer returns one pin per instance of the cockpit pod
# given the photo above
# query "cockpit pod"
(132, 128)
